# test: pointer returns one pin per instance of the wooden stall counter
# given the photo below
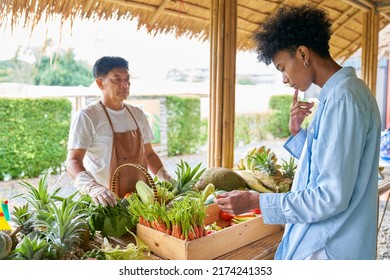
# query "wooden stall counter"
(251, 239)
(262, 249)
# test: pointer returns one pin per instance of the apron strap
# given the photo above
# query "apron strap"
(109, 119)
(111, 125)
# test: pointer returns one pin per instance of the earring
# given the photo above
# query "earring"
(306, 64)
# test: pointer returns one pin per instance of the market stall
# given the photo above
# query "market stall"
(229, 26)
(172, 220)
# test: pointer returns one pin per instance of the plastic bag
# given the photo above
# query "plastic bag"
(385, 146)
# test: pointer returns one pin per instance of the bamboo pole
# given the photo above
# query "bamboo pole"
(212, 99)
(370, 49)
(230, 82)
(223, 43)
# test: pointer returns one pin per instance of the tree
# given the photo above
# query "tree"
(16, 70)
(62, 70)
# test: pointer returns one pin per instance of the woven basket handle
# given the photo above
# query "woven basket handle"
(138, 167)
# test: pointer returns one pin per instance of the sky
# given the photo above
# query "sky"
(149, 57)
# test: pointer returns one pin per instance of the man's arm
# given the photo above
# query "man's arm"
(152, 159)
(74, 162)
(155, 164)
(84, 180)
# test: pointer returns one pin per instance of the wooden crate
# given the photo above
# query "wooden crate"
(207, 247)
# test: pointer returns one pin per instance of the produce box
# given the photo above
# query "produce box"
(210, 246)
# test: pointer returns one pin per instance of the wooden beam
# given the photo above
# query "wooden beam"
(159, 11)
(344, 23)
(357, 5)
(154, 8)
(353, 47)
(367, 3)
(172, 13)
(386, 16)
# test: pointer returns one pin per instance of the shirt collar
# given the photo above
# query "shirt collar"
(339, 75)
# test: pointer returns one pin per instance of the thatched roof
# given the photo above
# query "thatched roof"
(192, 17)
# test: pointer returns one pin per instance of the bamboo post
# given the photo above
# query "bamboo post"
(223, 43)
(370, 49)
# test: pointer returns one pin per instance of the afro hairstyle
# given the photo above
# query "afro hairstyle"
(291, 27)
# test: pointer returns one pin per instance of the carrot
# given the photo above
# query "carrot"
(196, 231)
(162, 226)
(175, 231)
(246, 215)
(168, 231)
(200, 230)
(142, 221)
(154, 225)
(191, 235)
(148, 224)
(179, 232)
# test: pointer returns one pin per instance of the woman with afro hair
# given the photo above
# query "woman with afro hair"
(330, 212)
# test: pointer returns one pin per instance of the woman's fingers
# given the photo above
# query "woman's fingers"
(295, 97)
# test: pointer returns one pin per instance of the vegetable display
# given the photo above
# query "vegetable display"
(50, 226)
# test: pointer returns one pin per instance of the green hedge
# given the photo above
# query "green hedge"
(33, 136)
(184, 125)
(250, 128)
(278, 123)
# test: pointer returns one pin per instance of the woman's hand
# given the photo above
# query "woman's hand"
(299, 111)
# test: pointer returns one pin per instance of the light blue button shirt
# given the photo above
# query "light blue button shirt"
(333, 202)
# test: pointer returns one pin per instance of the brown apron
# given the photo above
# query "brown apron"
(127, 147)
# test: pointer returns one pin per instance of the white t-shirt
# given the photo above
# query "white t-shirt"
(90, 130)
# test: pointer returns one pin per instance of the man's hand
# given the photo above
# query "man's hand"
(163, 175)
(238, 202)
(299, 111)
(102, 195)
(87, 184)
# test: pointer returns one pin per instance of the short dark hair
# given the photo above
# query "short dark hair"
(106, 63)
(291, 27)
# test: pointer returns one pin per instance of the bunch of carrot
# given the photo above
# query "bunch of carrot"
(184, 220)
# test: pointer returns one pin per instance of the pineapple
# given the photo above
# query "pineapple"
(265, 160)
(289, 168)
(186, 177)
(23, 218)
(32, 249)
(65, 226)
(39, 197)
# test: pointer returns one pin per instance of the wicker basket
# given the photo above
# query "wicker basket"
(138, 167)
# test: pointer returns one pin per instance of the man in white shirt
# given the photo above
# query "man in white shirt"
(108, 134)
